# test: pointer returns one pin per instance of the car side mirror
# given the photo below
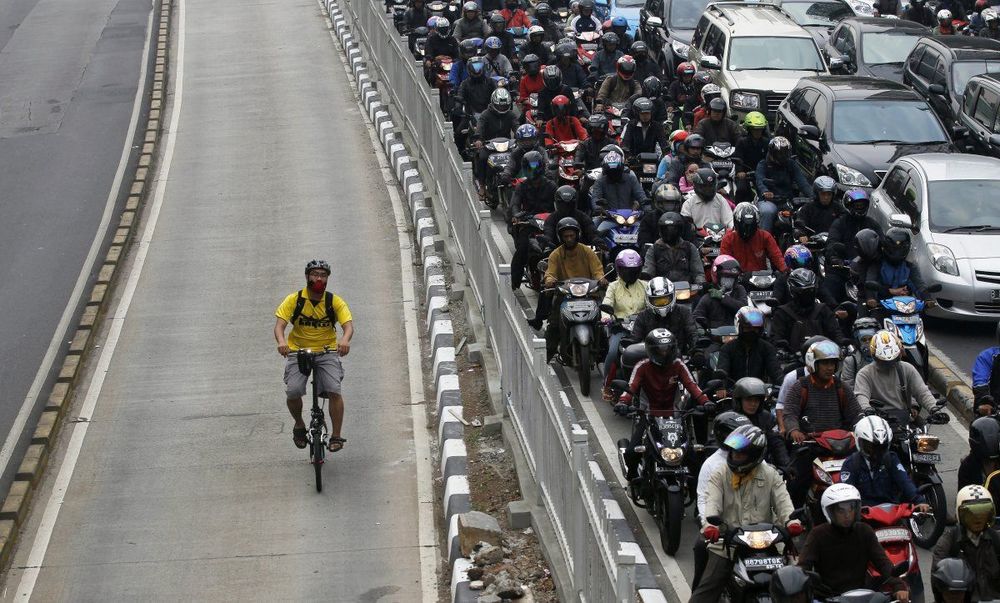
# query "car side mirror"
(937, 89)
(900, 221)
(810, 132)
(654, 22)
(710, 62)
(959, 131)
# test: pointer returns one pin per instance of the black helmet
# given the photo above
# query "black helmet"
(565, 50)
(790, 584)
(552, 77)
(532, 64)
(568, 224)
(467, 48)
(857, 201)
(317, 265)
(651, 86)
(543, 10)
(984, 438)
(779, 150)
(746, 220)
(597, 121)
(613, 165)
(643, 105)
(745, 449)
(609, 38)
(497, 21)
(868, 243)
(802, 286)
(953, 574)
(670, 225)
(661, 347)
(694, 141)
(749, 387)
(896, 244)
(705, 182)
(586, 4)
(727, 422)
(667, 197)
(533, 164)
(639, 49)
(717, 104)
(565, 197)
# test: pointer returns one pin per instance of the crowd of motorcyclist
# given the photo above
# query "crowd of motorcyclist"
(816, 335)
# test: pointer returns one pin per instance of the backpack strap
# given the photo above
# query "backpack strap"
(300, 303)
(329, 311)
(902, 384)
(803, 394)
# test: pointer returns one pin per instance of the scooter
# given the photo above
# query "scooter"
(890, 523)
(831, 447)
(579, 316)
(760, 291)
(644, 165)
(902, 317)
(619, 230)
(711, 240)
(498, 194)
(565, 156)
(755, 554)
(586, 47)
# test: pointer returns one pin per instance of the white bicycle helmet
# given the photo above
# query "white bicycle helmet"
(837, 494)
(885, 346)
(873, 435)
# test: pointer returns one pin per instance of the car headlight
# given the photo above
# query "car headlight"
(671, 456)
(851, 177)
(744, 100)
(680, 49)
(943, 259)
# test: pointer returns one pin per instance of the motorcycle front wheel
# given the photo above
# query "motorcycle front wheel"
(672, 513)
(927, 530)
(583, 367)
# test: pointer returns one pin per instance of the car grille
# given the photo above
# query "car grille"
(987, 307)
(773, 102)
(988, 277)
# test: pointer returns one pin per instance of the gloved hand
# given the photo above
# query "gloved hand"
(715, 293)
(794, 528)
(711, 533)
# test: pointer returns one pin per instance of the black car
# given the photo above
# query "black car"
(873, 46)
(939, 67)
(852, 128)
(667, 26)
(980, 109)
(818, 17)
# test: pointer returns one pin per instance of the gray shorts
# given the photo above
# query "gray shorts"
(327, 369)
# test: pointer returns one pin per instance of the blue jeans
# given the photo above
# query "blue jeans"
(768, 213)
(613, 342)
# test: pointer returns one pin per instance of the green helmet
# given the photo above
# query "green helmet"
(755, 119)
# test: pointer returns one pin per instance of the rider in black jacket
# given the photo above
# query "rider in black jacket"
(533, 196)
(750, 355)
(749, 394)
(662, 312)
(804, 316)
(566, 207)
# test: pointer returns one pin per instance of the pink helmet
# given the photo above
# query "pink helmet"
(725, 264)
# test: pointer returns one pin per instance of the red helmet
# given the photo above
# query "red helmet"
(981, 4)
(560, 106)
(626, 67)
(685, 68)
(606, 26)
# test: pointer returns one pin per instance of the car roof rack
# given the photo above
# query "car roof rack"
(719, 7)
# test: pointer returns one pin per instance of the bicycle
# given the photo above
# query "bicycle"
(317, 434)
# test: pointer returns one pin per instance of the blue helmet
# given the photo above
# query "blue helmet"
(619, 22)
(798, 256)
(525, 131)
(493, 43)
(856, 201)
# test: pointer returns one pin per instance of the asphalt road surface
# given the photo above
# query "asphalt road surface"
(70, 72)
(187, 485)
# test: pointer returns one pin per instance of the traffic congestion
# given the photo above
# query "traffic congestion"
(728, 221)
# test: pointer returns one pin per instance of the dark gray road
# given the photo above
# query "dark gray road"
(69, 72)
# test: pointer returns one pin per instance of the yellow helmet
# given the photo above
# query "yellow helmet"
(885, 346)
(755, 119)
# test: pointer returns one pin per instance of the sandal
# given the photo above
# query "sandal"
(336, 441)
(299, 437)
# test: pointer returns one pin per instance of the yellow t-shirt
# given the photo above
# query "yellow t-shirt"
(313, 329)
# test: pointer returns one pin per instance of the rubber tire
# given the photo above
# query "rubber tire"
(671, 523)
(583, 368)
(936, 498)
(317, 455)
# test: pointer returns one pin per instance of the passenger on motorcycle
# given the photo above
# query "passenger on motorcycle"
(681, 93)
(471, 24)
(619, 26)
(753, 247)
(673, 257)
(552, 79)
(892, 272)
(533, 196)
(645, 134)
(841, 244)
(749, 394)
(605, 60)
(566, 207)
(645, 67)
(439, 42)
(514, 15)
(585, 21)
(898, 385)
(718, 127)
(498, 29)
(974, 541)
(666, 198)
(573, 74)
(991, 29)
(531, 80)
(745, 491)
(676, 140)
(804, 315)
(841, 550)
(545, 19)
(791, 377)
(692, 148)
(537, 46)
(617, 187)
(619, 87)
(945, 24)
(725, 295)
(876, 471)
(563, 126)
(651, 89)
(778, 175)
(569, 260)
(460, 69)
(919, 13)
(704, 205)
(526, 137)
(662, 312)
(497, 121)
(655, 380)
(497, 65)
(750, 355)
(818, 215)
(627, 297)
(986, 376)
(863, 330)
(708, 93)
(830, 406)
(415, 16)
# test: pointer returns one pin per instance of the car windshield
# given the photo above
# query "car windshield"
(684, 14)
(793, 54)
(876, 121)
(962, 71)
(629, 3)
(979, 210)
(818, 13)
(880, 48)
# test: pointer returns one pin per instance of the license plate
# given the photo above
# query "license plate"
(626, 238)
(616, 123)
(649, 168)
(500, 157)
(761, 295)
(995, 295)
(893, 535)
(579, 306)
(906, 320)
(926, 457)
(763, 562)
(832, 466)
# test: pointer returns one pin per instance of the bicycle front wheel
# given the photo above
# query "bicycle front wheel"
(317, 461)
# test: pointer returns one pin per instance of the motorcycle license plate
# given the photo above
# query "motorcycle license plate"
(626, 238)
(500, 159)
(906, 320)
(616, 123)
(926, 457)
(649, 168)
(764, 563)
(760, 294)
(579, 306)
(832, 466)
(893, 535)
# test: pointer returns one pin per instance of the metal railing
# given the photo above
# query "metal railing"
(571, 488)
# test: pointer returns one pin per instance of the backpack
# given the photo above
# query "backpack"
(804, 394)
(300, 303)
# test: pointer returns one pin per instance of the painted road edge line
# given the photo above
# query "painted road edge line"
(17, 504)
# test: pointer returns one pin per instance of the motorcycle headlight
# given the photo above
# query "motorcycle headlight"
(744, 100)
(680, 49)
(672, 456)
(502, 146)
(620, 220)
(631, 219)
(758, 539)
(943, 259)
(927, 443)
(851, 177)
(578, 289)
(762, 281)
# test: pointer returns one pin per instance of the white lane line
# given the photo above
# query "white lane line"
(59, 337)
(426, 534)
(57, 496)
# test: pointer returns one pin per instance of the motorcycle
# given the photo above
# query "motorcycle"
(644, 165)
(565, 157)
(760, 291)
(616, 121)
(586, 47)
(452, 10)
(579, 316)
(755, 554)
(784, 223)
(398, 10)
(498, 193)
(720, 157)
(540, 247)
(520, 35)
(619, 230)
(889, 522)
(710, 242)
(902, 316)
(831, 447)
(441, 79)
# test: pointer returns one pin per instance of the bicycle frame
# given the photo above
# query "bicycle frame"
(317, 437)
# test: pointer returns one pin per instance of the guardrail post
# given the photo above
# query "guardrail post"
(578, 525)
(625, 583)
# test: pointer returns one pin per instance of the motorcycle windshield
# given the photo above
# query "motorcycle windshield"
(907, 333)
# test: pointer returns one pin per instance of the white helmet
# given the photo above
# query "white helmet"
(974, 504)
(885, 346)
(660, 296)
(873, 435)
(821, 350)
(944, 14)
(839, 493)
(989, 14)
(535, 29)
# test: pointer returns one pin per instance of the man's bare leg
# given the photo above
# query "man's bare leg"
(337, 417)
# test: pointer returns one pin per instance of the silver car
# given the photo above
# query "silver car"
(951, 203)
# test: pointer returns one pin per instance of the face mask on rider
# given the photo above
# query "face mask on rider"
(726, 283)
(317, 285)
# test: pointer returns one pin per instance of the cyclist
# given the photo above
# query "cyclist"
(313, 313)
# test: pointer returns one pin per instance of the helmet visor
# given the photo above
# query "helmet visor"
(976, 516)
(661, 301)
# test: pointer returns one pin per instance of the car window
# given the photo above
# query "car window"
(909, 200)
(699, 32)
(821, 112)
(928, 65)
(779, 53)
(894, 184)
(845, 42)
(986, 107)
(684, 14)
(969, 98)
(714, 43)
(882, 121)
(913, 62)
(961, 71)
(802, 108)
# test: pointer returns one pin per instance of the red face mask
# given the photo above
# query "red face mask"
(317, 286)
